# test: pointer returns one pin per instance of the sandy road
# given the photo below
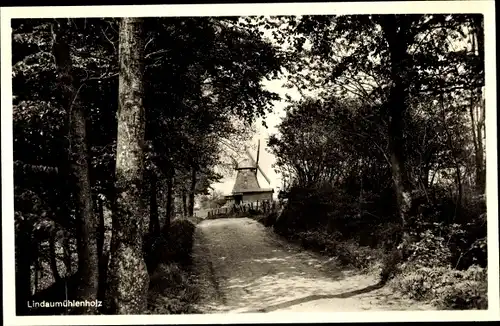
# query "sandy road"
(247, 268)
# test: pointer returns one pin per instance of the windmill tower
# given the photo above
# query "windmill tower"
(246, 186)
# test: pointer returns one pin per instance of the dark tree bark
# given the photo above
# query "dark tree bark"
(103, 259)
(68, 261)
(480, 164)
(184, 202)
(53, 257)
(192, 190)
(101, 230)
(127, 276)
(86, 222)
(476, 109)
(24, 259)
(169, 202)
(395, 31)
(154, 221)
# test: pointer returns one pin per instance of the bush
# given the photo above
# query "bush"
(172, 287)
(172, 290)
(347, 253)
(446, 287)
(179, 243)
(429, 251)
(174, 244)
(464, 226)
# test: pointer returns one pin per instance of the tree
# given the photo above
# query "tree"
(88, 260)
(128, 277)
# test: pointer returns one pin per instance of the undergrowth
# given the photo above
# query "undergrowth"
(443, 261)
(173, 285)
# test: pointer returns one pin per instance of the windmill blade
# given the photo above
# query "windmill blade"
(235, 162)
(250, 155)
(264, 175)
(258, 152)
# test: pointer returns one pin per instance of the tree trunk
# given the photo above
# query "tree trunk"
(86, 222)
(154, 222)
(53, 257)
(101, 229)
(397, 107)
(170, 202)
(127, 276)
(458, 178)
(68, 261)
(184, 203)
(476, 109)
(480, 164)
(24, 252)
(192, 190)
(103, 259)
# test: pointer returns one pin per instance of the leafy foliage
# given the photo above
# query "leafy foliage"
(386, 141)
(447, 287)
(203, 91)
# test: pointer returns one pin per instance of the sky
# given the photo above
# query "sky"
(266, 159)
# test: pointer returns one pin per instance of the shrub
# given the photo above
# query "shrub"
(430, 250)
(347, 253)
(172, 290)
(446, 287)
(179, 243)
(174, 244)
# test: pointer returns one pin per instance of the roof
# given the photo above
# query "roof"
(246, 191)
(253, 190)
(246, 164)
(246, 179)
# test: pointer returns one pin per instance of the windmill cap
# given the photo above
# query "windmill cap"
(246, 164)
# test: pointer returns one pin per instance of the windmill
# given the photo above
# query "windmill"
(246, 186)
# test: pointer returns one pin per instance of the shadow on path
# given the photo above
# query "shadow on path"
(318, 297)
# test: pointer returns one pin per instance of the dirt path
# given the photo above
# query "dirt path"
(244, 267)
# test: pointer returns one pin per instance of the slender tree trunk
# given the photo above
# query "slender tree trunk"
(479, 33)
(24, 259)
(154, 222)
(85, 217)
(480, 166)
(68, 261)
(103, 259)
(458, 178)
(184, 202)
(36, 268)
(476, 110)
(53, 257)
(101, 229)
(170, 202)
(192, 190)
(128, 277)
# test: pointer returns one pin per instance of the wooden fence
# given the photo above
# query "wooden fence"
(245, 209)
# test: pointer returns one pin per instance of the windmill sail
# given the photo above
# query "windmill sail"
(255, 162)
(264, 175)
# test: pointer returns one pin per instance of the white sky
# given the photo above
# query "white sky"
(266, 159)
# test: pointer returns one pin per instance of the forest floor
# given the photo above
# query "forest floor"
(244, 267)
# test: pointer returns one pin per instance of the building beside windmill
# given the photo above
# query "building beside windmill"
(246, 187)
